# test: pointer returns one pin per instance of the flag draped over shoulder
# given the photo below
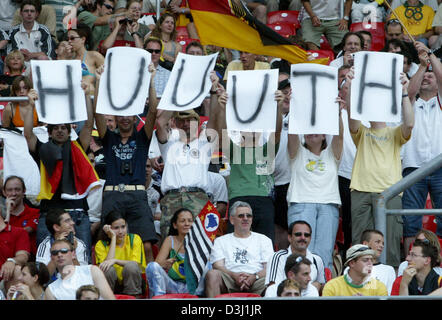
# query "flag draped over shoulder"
(229, 24)
(198, 244)
(75, 183)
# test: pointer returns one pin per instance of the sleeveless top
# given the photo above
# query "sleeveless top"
(17, 121)
(176, 272)
(84, 69)
(171, 52)
(65, 289)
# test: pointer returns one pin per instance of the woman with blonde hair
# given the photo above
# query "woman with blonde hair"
(166, 31)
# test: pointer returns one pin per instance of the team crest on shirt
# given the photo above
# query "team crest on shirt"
(195, 153)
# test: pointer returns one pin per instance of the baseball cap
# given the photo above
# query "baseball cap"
(358, 250)
(186, 115)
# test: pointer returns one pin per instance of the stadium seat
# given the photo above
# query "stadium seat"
(238, 295)
(124, 297)
(328, 274)
(376, 30)
(318, 54)
(184, 43)
(284, 16)
(176, 296)
(325, 45)
(429, 223)
(284, 29)
(182, 32)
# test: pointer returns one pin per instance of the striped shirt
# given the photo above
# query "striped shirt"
(39, 40)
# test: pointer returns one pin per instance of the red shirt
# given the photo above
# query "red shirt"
(12, 239)
(28, 218)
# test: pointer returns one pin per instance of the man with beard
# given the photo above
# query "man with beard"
(299, 236)
(358, 280)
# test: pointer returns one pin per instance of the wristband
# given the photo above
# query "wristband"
(212, 91)
(133, 33)
(11, 260)
(405, 95)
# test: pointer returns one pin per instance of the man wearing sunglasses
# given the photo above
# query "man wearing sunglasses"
(154, 46)
(72, 276)
(299, 237)
(238, 258)
(358, 280)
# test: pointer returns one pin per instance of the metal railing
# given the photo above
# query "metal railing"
(381, 211)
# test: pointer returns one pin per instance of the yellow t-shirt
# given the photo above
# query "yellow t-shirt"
(377, 164)
(415, 27)
(339, 286)
(129, 252)
(236, 65)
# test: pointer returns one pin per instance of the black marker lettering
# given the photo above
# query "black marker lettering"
(43, 92)
(141, 71)
(314, 77)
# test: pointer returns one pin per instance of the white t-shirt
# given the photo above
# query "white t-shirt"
(242, 254)
(314, 178)
(65, 289)
(217, 187)
(282, 172)
(185, 165)
(326, 10)
(426, 140)
(44, 251)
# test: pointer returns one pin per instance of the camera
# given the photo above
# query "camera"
(126, 21)
(71, 237)
(126, 168)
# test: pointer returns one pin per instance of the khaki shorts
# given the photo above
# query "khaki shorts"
(329, 28)
(257, 287)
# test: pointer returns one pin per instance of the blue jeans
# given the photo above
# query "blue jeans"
(160, 283)
(324, 220)
(415, 197)
(82, 229)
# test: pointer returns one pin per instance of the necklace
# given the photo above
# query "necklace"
(414, 12)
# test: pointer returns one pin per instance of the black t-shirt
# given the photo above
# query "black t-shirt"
(126, 163)
(57, 201)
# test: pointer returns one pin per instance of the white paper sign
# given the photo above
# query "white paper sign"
(189, 82)
(313, 107)
(60, 96)
(124, 84)
(251, 104)
(376, 90)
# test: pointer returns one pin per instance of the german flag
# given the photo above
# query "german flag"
(229, 24)
(75, 183)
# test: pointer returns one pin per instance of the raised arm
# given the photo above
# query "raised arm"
(86, 131)
(31, 138)
(416, 80)
(163, 117)
(153, 103)
(279, 97)
(407, 109)
(338, 141)
(100, 120)
(352, 123)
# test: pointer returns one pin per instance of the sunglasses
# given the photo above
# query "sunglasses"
(154, 50)
(108, 6)
(392, 21)
(243, 215)
(56, 252)
(306, 234)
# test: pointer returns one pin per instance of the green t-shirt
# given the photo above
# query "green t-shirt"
(99, 33)
(250, 174)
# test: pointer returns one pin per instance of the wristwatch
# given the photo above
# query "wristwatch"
(11, 260)
(256, 276)
(346, 18)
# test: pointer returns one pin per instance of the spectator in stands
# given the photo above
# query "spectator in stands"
(195, 48)
(90, 60)
(424, 235)
(435, 41)
(31, 284)
(239, 259)
(20, 214)
(63, 50)
(369, 178)
(154, 46)
(313, 194)
(289, 288)
(351, 43)
(15, 112)
(251, 180)
(298, 268)
(417, 18)
(14, 66)
(133, 12)
(321, 20)
(97, 18)
(165, 30)
(366, 10)
(258, 8)
(31, 38)
(299, 237)
(120, 256)
(72, 276)
(382, 272)
(166, 273)
(7, 9)
(87, 292)
(126, 151)
(419, 278)
(368, 37)
(277, 5)
(121, 27)
(399, 46)
(426, 142)
(61, 226)
(46, 17)
(357, 282)
(46, 156)
(247, 61)
(14, 255)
